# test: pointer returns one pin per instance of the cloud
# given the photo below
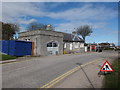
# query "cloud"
(86, 12)
(71, 26)
(12, 12)
(96, 17)
(22, 29)
(22, 21)
(60, 0)
(0, 11)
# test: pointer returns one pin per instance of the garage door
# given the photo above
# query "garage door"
(52, 48)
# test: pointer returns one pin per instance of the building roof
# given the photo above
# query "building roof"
(66, 36)
(71, 38)
(91, 43)
(104, 44)
(40, 32)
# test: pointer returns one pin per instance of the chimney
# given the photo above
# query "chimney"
(74, 32)
(48, 27)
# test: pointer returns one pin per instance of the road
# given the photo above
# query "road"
(38, 71)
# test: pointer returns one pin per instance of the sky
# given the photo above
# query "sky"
(67, 16)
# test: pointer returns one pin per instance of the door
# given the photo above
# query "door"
(70, 46)
(52, 48)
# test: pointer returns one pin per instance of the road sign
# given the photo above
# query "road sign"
(106, 67)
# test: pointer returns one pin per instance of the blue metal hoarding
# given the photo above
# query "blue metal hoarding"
(16, 47)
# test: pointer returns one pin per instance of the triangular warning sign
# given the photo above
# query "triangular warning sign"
(106, 67)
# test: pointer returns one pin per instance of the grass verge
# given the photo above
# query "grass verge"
(112, 79)
(6, 57)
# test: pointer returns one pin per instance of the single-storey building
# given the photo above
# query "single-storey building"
(45, 42)
(72, 43)
(104, 45)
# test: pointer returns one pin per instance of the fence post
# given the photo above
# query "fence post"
(33, 46)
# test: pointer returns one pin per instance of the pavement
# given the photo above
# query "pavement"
(18, 59)
(38, 71)
(80, 80)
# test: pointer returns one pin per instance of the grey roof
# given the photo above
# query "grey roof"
(71, 38)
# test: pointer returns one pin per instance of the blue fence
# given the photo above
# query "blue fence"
(16, 47)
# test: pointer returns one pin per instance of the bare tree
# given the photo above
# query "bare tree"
(84, 31)
(36, 26)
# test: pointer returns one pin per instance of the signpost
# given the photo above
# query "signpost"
(106, 67)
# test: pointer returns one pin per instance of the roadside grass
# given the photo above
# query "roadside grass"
(6, 57)
(112, 79)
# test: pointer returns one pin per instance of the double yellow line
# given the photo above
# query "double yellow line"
(58, 79)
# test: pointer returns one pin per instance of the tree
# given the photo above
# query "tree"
(8, 30)
(38, 26)
(84, 31)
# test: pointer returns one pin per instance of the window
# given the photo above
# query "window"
(71, 46)
(82, 45)
(52, 44)
(65, 45)
(27, 39)
(76, 44)
(49, 44)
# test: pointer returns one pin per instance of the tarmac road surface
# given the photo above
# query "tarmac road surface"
(38, 71)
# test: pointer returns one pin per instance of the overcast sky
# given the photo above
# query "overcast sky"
(65, 16)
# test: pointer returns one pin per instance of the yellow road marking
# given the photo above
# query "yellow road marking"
(61, 77)
(58, 77)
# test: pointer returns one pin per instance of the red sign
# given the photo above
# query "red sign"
(106, 67)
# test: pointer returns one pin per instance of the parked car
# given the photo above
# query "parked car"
(99, 49)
